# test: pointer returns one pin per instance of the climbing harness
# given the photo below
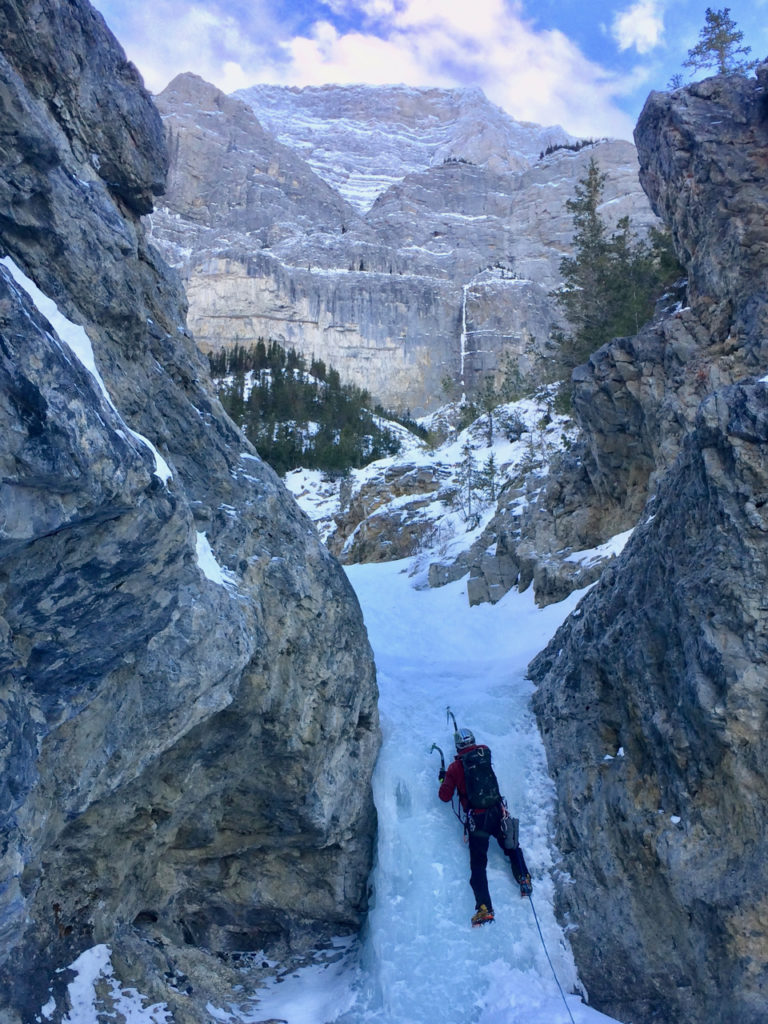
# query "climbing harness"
(544, 946)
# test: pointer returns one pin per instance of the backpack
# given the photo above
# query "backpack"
(480, 778)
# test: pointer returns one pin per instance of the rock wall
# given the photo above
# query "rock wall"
(188, 697)
(251, 297)
(651, 696)
(447, 272)
(703, 165)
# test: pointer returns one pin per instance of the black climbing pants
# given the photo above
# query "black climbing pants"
(481, 826)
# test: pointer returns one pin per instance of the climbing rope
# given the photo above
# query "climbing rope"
(544, 946)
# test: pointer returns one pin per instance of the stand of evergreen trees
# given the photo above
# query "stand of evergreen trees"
(573, 146)
(298, 415)
(613, 280)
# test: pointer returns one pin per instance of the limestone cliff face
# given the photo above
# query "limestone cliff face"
(444, 269)
(188, 698)
(651, 697)
(334, 126)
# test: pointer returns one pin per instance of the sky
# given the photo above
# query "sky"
(587, 65)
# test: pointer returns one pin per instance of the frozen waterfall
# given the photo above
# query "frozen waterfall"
(420, 962)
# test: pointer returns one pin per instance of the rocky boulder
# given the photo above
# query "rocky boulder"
(385, 519)
(656, 681)
(651, 705)
(188, 699)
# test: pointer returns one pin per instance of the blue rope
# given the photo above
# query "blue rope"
(544, 945)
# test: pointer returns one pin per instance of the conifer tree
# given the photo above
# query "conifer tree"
(584, 274)
(719, 46)
(284, 398)
(611, 282)
(489, 398)
(489, 477)
(466, 479)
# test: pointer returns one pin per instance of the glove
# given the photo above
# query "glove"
(440, 775)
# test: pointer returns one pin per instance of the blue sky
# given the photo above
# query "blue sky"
(585, 65)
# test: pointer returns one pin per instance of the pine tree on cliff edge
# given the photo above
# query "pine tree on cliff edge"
(718, 46)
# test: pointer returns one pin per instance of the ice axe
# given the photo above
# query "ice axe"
(441, 776)
(450, 715)
(434, 746)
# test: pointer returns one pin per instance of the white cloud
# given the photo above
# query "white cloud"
(534, 75)
(166, 37)
(641, 26)
(326, 56)
(479, 19)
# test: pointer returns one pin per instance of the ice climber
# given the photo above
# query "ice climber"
(485, 815)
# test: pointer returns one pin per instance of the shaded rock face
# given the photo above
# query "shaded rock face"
(651, 696)
(73, 77)
(188, 697)
(664, 843)
(703, 163)
(445, 273)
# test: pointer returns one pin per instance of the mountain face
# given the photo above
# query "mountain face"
(651, 697)
(403, 235)
(362, 139)
(188, 697)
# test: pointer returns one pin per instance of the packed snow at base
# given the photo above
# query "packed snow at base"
(422, 959)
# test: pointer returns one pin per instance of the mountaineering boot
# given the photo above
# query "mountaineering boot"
(520, 870)
(483, 916)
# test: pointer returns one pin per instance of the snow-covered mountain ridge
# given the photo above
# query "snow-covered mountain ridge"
(446, 274)
(361, 139)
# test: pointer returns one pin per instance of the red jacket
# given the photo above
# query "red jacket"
(454, 779)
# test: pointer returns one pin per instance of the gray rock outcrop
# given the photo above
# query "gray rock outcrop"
(703, 166)
(188, 698)
(445, 273)
(651, 697)
(637, 398)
